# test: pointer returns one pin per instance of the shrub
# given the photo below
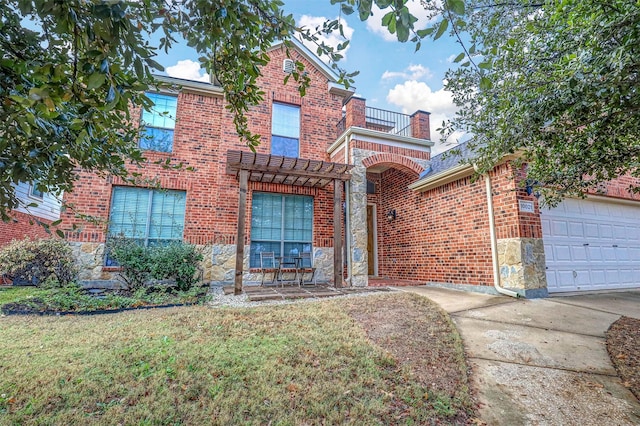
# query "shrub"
(141, 265)
(177, 261)
(46, 261)
(133, 258)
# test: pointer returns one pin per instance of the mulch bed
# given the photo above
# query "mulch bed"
(623, 345)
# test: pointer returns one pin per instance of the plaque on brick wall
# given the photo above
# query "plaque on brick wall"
(526, 206)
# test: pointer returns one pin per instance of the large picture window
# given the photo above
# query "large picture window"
(159, 123)
(152, 217)
(285, 130)
(282, 224)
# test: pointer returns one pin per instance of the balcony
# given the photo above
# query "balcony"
(357, 114)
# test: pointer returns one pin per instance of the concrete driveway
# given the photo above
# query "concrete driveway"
(542, 361)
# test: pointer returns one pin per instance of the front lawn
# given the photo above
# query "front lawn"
(330, 362)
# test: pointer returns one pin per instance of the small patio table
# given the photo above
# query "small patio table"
(289, 264)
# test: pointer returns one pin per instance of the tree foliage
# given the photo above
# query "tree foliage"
(554, 81)
(557, 83)
(70, 70)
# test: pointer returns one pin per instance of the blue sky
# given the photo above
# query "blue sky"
(392, 76)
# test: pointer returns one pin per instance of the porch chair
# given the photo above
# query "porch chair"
(268, 265)
(306, 267)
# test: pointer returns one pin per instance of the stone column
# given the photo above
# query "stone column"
(358, 220)
(522, 266)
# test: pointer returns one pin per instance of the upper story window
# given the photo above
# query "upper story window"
(159, 123)
(285, 130)
(35, 192)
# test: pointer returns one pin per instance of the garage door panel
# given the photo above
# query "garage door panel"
(608, 254)
(592, 245)
(599, 277)
(591, 230)
(595, 254)
(560, 228)
(627, 276)
(579, 254)
(565, 280)
(575, 229)
(605, 231)
(562, 253)
(620, 232)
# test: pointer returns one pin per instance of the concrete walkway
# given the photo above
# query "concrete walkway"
(542, 361)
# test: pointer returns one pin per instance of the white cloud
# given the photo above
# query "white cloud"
(187, 69)
(374, 23)
(412, 72)
(414, 95)
(333, 39)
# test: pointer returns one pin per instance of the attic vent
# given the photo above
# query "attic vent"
(288, 66)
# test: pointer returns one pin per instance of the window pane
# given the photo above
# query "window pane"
(261, 246)
(285, 120)
(159, 123)
(285, 130)
(129, 211)
(167, 215)
(163, 111)
(286, 147)
(266, 217)
(294, 249)
(155, 139)
(298, 218)
(273, 228)
(35, 192)
(152, 217)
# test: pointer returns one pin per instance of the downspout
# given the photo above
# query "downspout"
(494, 240)
(347, 226)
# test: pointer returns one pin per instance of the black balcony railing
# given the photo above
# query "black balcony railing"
(388, 121)
(383, 121)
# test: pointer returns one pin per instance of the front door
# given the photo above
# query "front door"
(371, 240)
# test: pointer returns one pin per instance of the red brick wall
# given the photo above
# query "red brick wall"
(618, 188)
(442, 235)
(21, 229)
(203, 134)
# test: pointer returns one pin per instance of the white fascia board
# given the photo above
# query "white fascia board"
(442, 178)
(374, 136)
(339, 89)
(189, 85)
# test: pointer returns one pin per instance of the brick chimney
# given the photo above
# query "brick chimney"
(420, 125)
(355, 113)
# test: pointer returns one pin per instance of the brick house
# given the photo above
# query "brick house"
(354, 186)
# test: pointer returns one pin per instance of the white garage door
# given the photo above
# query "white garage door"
(591, 245)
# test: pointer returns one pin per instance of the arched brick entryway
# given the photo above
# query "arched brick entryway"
(393, 160)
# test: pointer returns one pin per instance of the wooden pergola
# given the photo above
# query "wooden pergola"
(250, 166)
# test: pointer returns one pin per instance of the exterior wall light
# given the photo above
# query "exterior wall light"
(391, 216)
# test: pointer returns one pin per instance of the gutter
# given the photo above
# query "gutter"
(444, 177)
(494, 241)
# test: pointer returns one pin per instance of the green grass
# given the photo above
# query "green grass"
(285, 365)
(15, 293)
